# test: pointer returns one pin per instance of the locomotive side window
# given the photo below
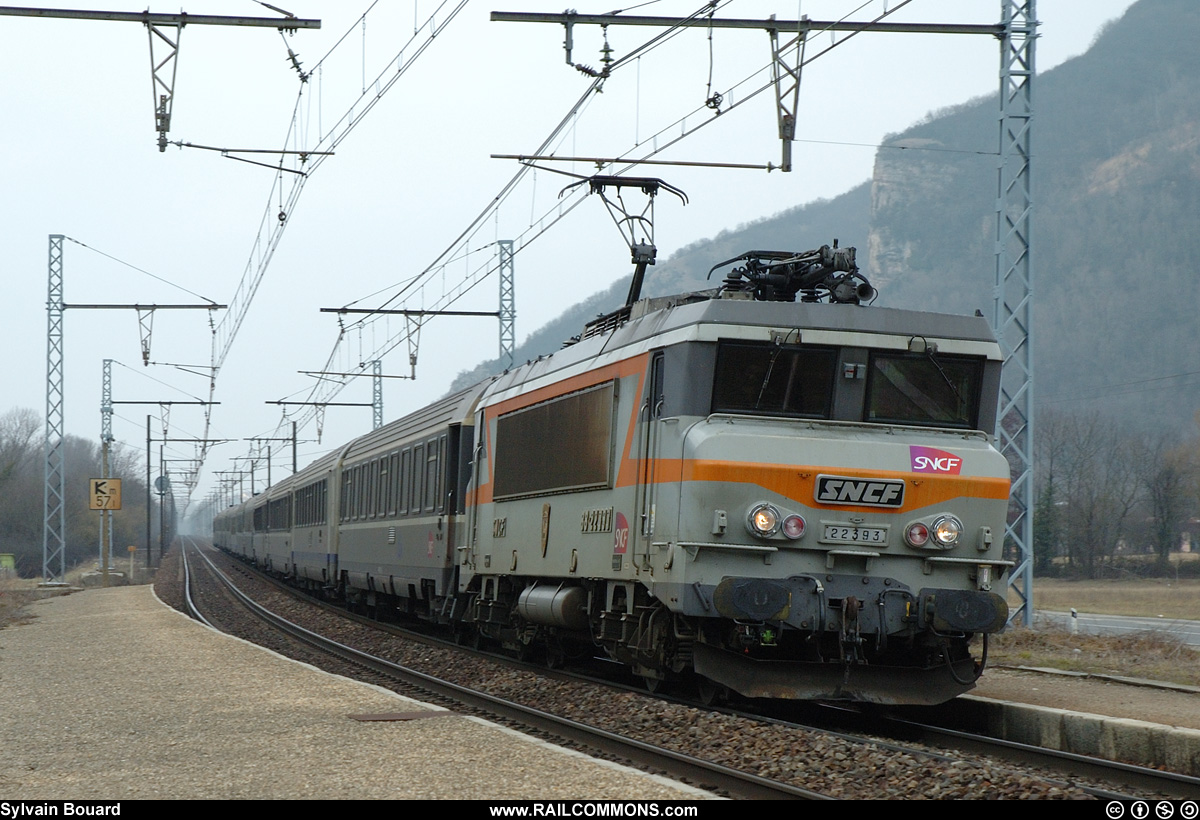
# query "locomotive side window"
(776, 380)
(559, 445)
(924, 389)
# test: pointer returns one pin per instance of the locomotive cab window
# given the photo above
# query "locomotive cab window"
(775, 380)
(924, 389)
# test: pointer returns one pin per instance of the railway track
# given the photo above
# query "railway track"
(674, 764)
(722, 734)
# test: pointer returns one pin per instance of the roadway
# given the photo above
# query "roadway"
(1087, 623)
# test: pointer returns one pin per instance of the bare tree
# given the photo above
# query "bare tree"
(18, 436)
(1049, 453)
(22, 481)
(1168, 476)
(1101, 489)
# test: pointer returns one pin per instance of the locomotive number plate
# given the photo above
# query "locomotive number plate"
(843, 534)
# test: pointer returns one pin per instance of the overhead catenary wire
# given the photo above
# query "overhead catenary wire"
(273, 222)
(624, 158)
(459, 248)
(1102, 391)
(140, 270)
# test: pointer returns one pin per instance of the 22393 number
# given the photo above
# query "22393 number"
(843, 534)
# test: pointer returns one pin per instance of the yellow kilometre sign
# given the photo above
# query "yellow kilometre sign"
(104, 493)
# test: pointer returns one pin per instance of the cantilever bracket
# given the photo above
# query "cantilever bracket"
(162, 74)
(786, 79)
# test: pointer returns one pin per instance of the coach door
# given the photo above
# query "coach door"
(648, 443)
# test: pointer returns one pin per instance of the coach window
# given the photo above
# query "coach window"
(376, 488)
(382, 489)
(444, 466)
(405, 479)
(364, 497)
(344, 499)
(431, 475)
(393, 483)
(385, 486)
(379, 478)
(364, 489)
(418, 473)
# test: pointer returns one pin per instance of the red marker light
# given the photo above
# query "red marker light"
(917, 535)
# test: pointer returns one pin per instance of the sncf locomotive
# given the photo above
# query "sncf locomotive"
(767, 488)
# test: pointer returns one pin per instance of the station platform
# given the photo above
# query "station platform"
(109, 694)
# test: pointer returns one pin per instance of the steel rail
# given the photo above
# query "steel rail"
(723, 778)
(193, 609)
(883, 724)
(1124, 774)
(1127, 774)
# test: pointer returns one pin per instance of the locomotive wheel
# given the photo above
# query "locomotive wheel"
(655, 686)
(710, 692)
(555, 658)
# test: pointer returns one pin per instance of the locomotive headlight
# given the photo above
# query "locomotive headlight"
(763, 520)
(946, 530)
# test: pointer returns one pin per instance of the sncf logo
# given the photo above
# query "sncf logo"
(930, 460)
(833, 489)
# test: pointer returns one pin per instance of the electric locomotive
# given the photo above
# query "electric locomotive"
(731, 489)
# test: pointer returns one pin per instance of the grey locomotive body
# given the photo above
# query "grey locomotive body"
(781, 499)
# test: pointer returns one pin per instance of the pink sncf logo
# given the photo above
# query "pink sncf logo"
(931, 460)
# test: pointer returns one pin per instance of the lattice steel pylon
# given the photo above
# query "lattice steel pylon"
(54, 522)
(377, 393)
(106, 438)
(1013, 322)
(508, 301)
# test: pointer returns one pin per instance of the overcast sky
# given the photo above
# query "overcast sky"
(79, 158)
